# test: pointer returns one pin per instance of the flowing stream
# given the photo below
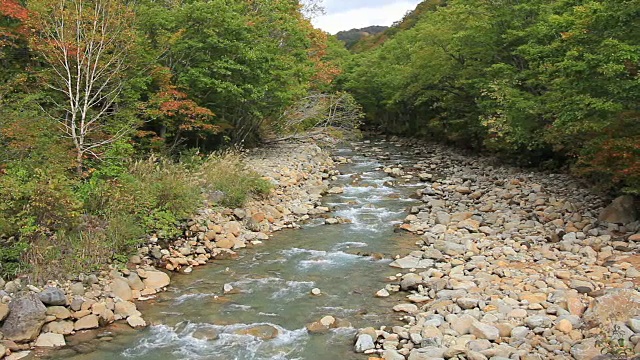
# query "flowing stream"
(194, 319)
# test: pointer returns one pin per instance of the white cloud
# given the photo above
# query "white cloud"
(363, 15)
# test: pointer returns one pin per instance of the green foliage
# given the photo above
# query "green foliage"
(614, 344)
(534, 81)
(10, 259)
(227, 174)
(245, 61)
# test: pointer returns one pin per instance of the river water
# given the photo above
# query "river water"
(194, 319)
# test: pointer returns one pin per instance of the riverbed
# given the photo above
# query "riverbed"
(268, 301)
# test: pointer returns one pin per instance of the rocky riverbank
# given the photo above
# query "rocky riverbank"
(512, 264)
(39, 318)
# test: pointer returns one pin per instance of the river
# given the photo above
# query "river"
(271, 283)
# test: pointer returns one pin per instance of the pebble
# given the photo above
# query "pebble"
(517, 259)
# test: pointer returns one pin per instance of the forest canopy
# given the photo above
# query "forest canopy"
(539, 82)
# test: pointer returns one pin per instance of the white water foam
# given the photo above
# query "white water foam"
(188, 297)
(350, 244)
(294, 290)
(229, 345)
(320, 258)
(244, 284)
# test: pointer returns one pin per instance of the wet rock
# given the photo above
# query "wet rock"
(263, 332)
(327, 320)
(26, 317)
(52, 296)
(364, 342)
(316, 327)
(136, 322)
(207, 334)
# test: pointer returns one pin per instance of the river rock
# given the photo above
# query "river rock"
(135, 283)
(77, 289)
(60, 312)
(88, 322)
(364, 343)
(621, 211)
(63, 327)
(484, 331)
(327, 320)
(124, 309)
(4, 311)
(52, 296)
(616, 304)
(538, 321)
(50, 340)
(263, 332)
(412, 262)
(408, 308)
(316, 327)
(136, 322)
(391, 354)
(587, 349)
(427, 353)
(156, 280)
(27, 315)
(121, 289)
(410, 281)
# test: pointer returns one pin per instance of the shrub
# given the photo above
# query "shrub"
(227, 174)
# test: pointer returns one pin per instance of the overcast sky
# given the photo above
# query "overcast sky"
(349, 14)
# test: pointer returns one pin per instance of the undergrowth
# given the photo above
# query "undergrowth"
(55, 225)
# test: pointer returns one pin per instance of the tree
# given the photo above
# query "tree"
(85, 45)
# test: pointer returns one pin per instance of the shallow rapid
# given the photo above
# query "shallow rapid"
(265, 313)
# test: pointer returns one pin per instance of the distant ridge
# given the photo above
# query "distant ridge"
(350, 37)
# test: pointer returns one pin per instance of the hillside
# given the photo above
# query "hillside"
(351, 37)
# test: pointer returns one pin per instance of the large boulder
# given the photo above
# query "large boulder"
(263, 332)
(26, 317)
(615, 305)
(620, 211)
